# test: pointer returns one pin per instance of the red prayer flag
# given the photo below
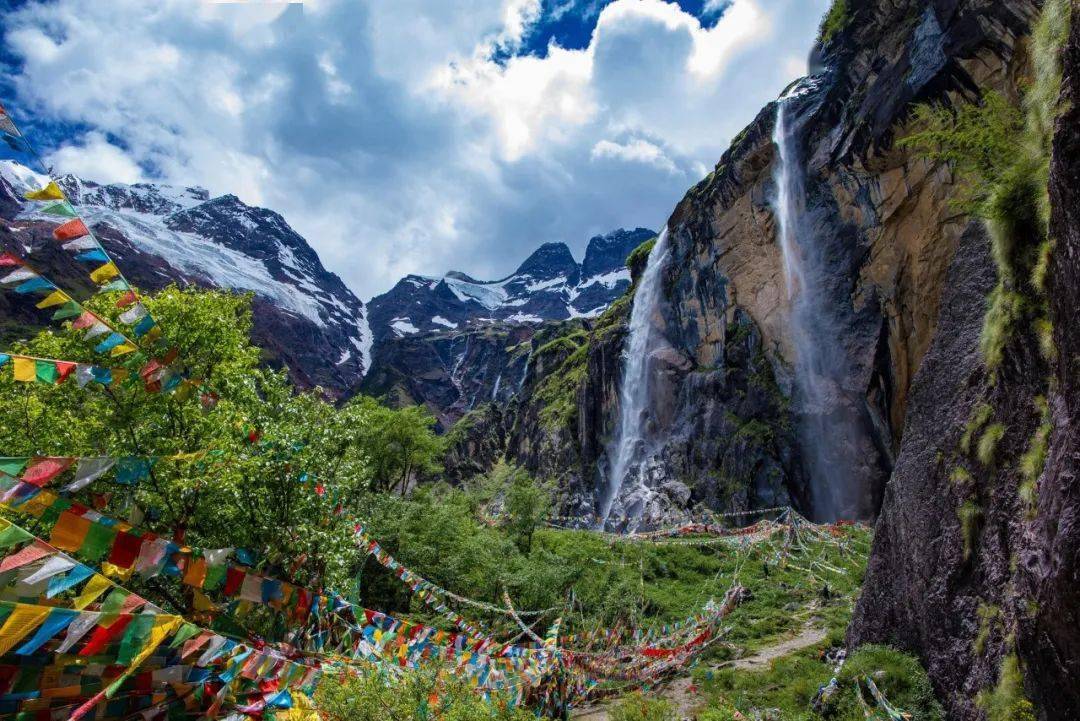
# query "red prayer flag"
(65, 369)
(85, 320)
(43, 470)
(234, 578)
(9, 260)
(71, 230)
(102, 635)
(125, 549)
(127, 299)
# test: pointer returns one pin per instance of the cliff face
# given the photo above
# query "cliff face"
(974, 564)
(882, 228)
(727, 425)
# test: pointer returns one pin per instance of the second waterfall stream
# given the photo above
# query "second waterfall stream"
(626, 452)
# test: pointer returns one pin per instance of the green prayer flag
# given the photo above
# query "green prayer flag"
(52, 514)
(12, 536)
(187, 630)
(98, 541)
(71, 309)
(12, 466)
(63, 209)
(46, 372)
(114, 601)
(215, 577)
(135, 637)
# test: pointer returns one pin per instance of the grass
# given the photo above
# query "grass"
(640, 254)
(835, 21)
(989, 617)
(1033, 461)
(979, 417)
(789, 686)
(988, 443)
(970, 514)
(1006, 700)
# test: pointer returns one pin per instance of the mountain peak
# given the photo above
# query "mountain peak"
(550, 260)
(607, 252)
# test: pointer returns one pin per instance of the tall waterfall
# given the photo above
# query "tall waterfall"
(831, 436)
(627, 449)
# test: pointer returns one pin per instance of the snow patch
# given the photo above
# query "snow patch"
(524, 318)
(403, 326)
(439, 320)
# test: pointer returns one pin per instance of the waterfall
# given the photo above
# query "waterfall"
(495, 390)
(525, 372)
(831, 438)
(626, 451)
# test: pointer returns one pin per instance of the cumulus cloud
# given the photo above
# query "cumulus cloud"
(409, 136)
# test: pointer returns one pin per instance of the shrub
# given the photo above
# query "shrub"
(1006, 701)
(988, 443)
(1034, 459)
(899, 676)
(835, 21)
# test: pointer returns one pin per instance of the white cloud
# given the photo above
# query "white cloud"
(94, 157)
(385, 133)
(634, 151)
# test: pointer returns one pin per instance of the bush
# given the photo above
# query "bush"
(1006, 701)
(835, 21)
(416, 696)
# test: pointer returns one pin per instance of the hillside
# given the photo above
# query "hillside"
(306, 319)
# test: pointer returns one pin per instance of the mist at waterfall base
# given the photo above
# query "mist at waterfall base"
(624, 485)
(832, 439)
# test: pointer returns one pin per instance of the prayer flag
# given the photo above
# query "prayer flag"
(70, 230)
(51, 191)
(89, 470)
(94, 255)
(80, 627)
(43, 470)
(63, 208)
(97, 586)
(23, 619)
(69, 532)
(45, 372)
(71, 309)
(34, 284)
(113, 341)
(57, 621)
(57, 297)
(105, 273)
(25, 369)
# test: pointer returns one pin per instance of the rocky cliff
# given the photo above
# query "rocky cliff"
(883, 229)
(974, 564)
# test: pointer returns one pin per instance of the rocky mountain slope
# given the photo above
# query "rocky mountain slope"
(454, 343)
(305, 317)
(549, 285)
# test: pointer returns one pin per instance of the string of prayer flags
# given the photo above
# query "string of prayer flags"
(48, 371)
(76, 237)
(16, 275)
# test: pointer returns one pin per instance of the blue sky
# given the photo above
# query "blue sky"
(407, 136)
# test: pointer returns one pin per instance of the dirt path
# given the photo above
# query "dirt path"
(685, 697)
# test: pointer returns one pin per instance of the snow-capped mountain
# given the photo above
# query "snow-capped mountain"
(304, 315)
(549, 285)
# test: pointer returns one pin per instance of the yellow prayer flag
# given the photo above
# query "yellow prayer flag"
(25, 369)
(105, 273)
(24, 618)
(97, 586)
(123, 349)
(57, 297)
(114, 571)
(51, 191)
